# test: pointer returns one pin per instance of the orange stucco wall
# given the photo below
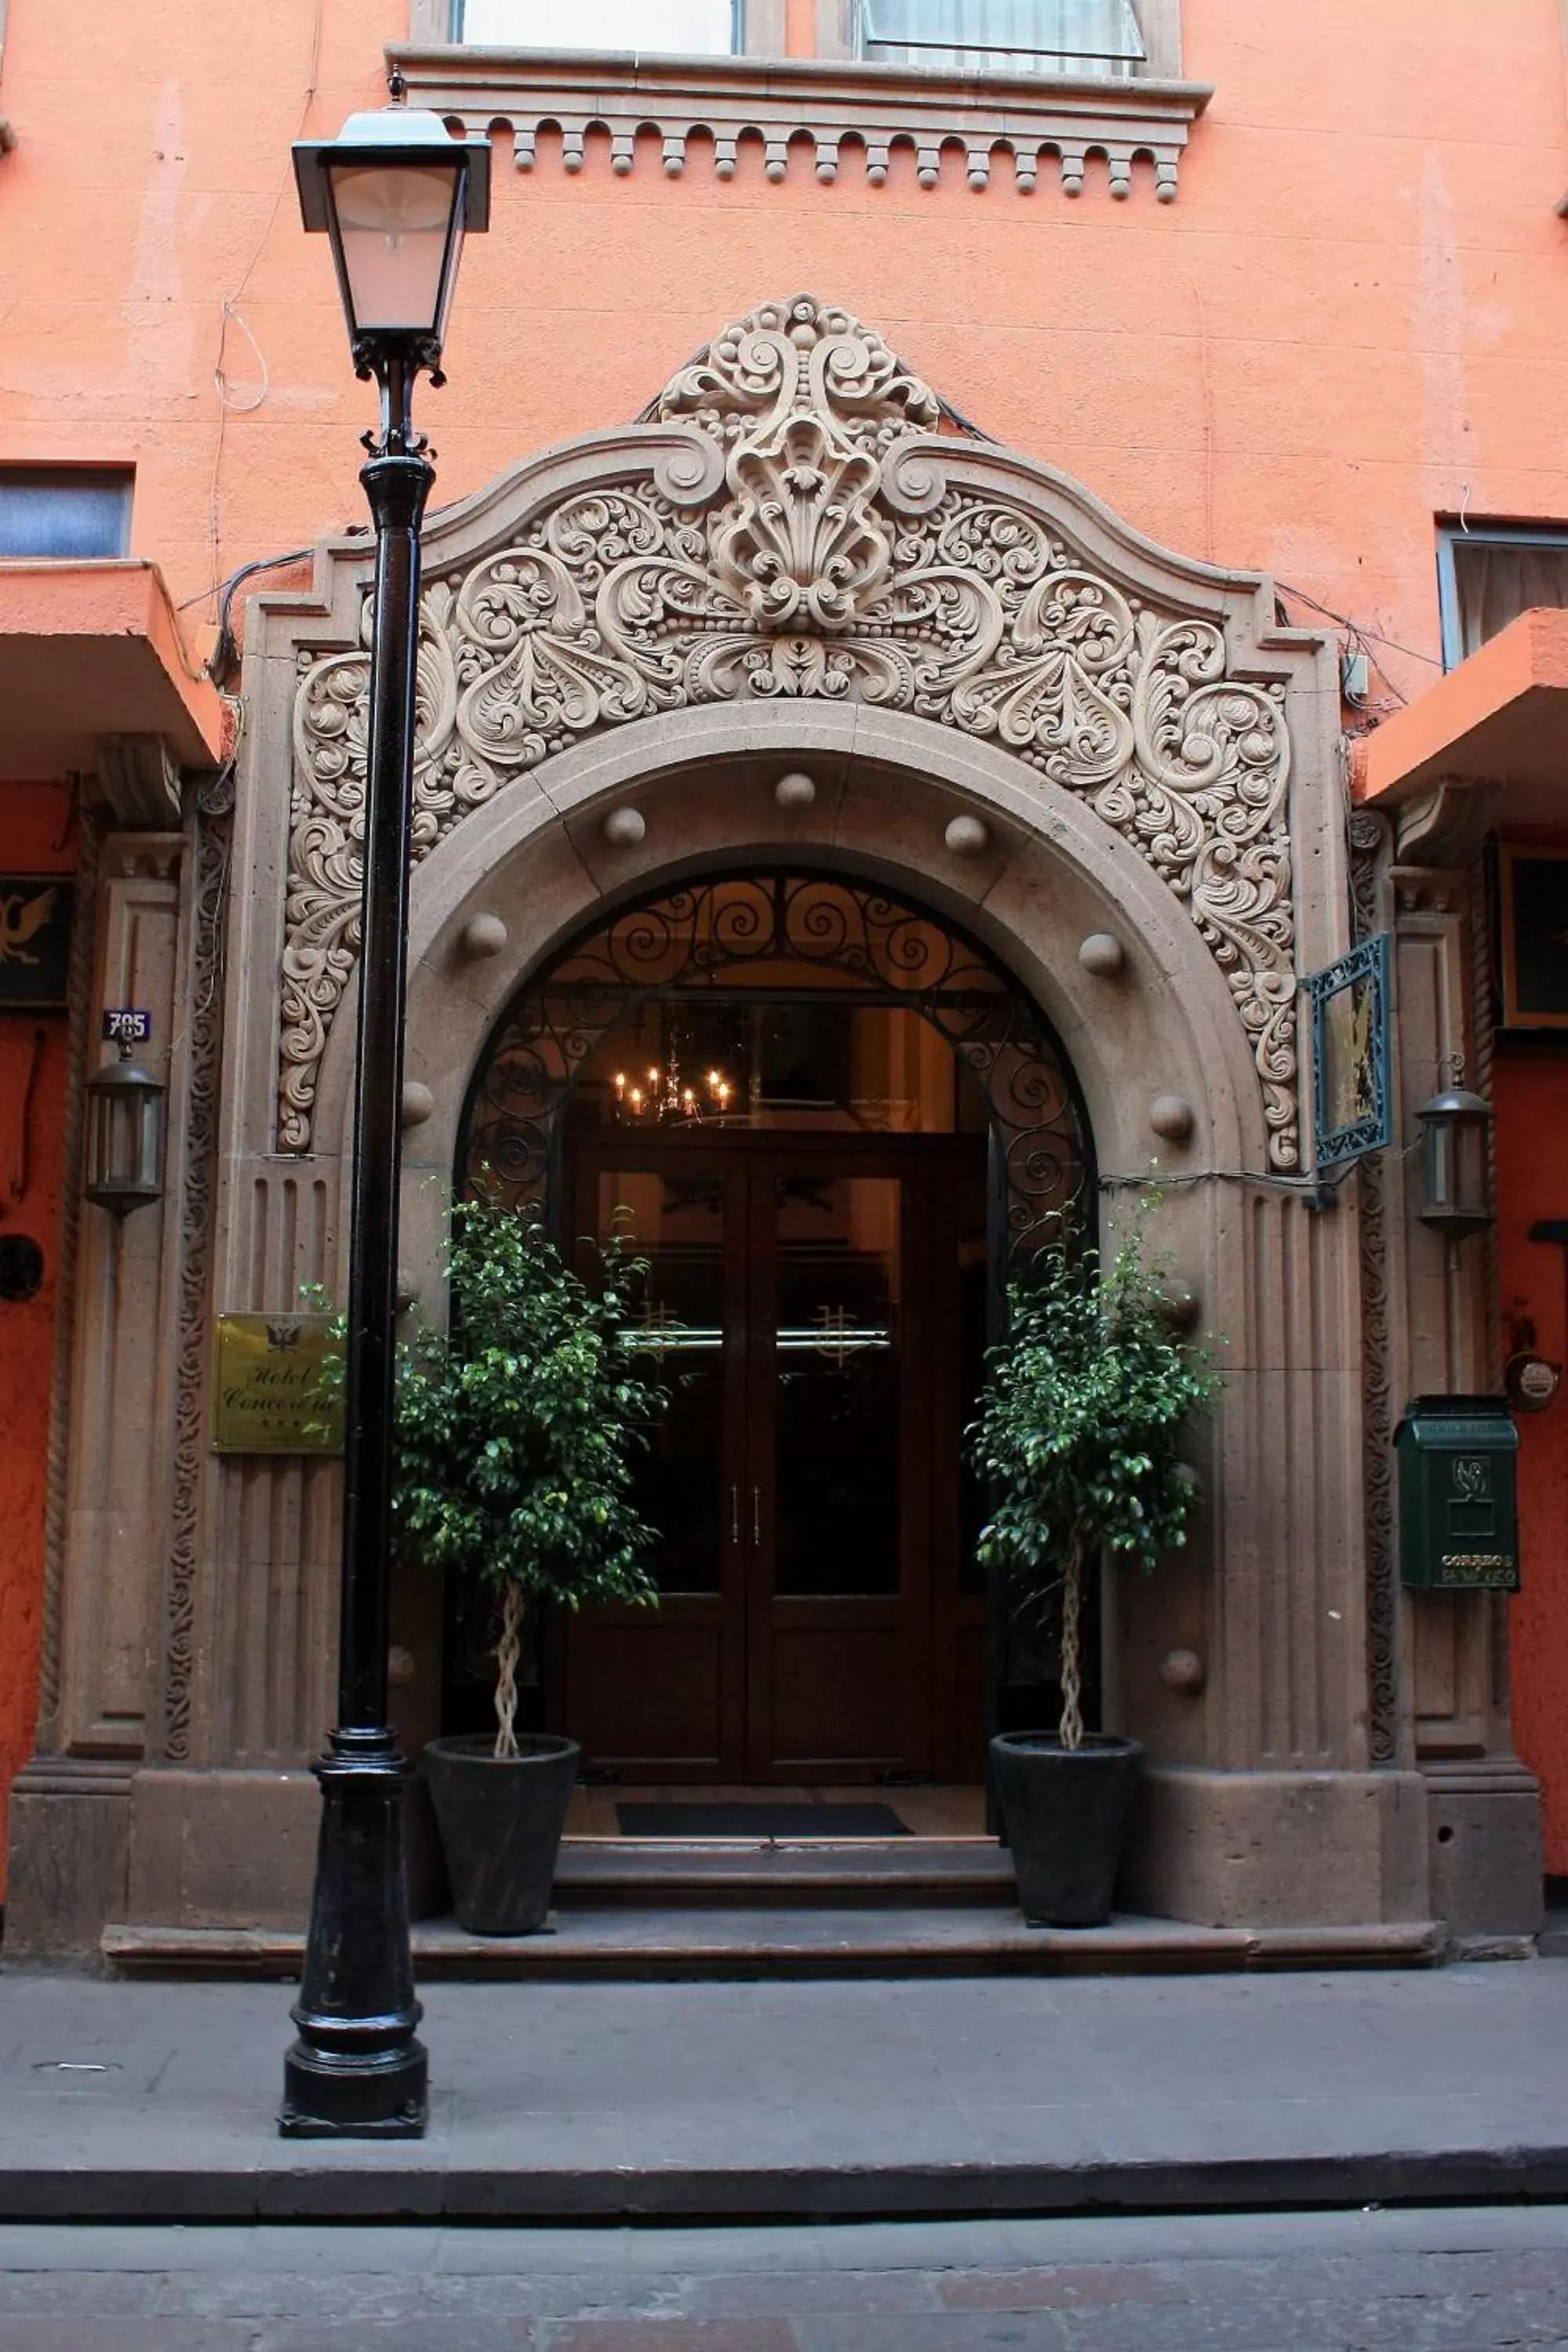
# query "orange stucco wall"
(36, 836)
(1529, 1095)
(1354, 315)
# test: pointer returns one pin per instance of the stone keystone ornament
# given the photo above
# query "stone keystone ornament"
(794, 524)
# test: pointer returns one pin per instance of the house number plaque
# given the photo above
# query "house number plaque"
(266, 1386)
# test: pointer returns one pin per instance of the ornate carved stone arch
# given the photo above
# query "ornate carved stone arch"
(792, 524)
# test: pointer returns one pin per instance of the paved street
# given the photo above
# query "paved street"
(1445, 2280)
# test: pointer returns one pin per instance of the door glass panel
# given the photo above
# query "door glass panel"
(837, 1365)
(676, 1222)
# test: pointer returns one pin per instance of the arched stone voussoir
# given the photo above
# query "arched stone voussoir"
(539, 866)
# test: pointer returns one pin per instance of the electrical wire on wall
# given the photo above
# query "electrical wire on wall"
(1360, 640)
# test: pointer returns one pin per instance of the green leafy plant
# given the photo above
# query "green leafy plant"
(1078, 1430)
(519, 1429)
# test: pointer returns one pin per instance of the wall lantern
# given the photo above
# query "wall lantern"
(395, 192)
(1454, 1157)
(124, 1135)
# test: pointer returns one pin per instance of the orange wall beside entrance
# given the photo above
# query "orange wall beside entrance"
(1529, 1095)
(38, 836)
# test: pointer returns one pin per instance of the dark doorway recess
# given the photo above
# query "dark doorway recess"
(832, 1123)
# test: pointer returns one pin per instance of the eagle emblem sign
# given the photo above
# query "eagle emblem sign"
(35, 941)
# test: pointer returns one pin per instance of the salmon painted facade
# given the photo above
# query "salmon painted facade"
(1192, 385)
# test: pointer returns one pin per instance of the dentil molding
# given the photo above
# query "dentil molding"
(793, 526)
(812, 113)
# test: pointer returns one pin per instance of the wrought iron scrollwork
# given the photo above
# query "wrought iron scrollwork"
(720, 933)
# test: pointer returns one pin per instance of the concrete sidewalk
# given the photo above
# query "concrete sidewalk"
(691, 2102)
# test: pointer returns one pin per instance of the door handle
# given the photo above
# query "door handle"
(756, 1518)
(734, 1515)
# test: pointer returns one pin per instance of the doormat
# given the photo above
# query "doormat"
(743, 1820)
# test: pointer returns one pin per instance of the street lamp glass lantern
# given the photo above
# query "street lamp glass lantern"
(399, 235)
(124, 1136)
(395, 193)
(1454, 1154)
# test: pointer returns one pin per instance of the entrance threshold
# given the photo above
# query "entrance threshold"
(921, 1812)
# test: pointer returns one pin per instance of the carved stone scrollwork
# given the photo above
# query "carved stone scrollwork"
(1370, 847)
(214, 821)
(806, 540)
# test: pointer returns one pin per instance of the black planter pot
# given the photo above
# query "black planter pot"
(1064, 1814)
(501, 1819)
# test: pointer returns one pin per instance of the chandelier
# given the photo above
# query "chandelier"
(668, 1096)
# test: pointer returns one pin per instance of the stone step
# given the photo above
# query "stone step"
(744, 1945)
(598, 1873)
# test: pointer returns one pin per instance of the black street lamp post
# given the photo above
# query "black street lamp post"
(395, 193)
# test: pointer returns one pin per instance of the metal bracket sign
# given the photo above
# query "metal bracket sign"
(1352, 1089)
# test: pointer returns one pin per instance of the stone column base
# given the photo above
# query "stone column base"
(1484, 1823)
(1279, 1849)
(93, 1845)
(237, 1849)
(69, 1844)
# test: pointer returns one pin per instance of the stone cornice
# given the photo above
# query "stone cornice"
(836, 106)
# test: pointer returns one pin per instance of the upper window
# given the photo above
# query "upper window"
(1048, 37)
(1488, 573)
(705, 28)
(71, 513)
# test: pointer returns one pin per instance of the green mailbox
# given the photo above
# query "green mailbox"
(1458, 1521)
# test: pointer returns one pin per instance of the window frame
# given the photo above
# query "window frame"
(62, 474)
(453, 11)
(761, 33)
(1121, 67)
(1452, 533)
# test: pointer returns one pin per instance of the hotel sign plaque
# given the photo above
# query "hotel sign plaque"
(266, 1394)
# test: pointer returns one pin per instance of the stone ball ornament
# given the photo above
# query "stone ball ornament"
(1170, 1116)
(418, 1102)
(625, 828)
(483, 935)
(1183, 1670)
(966, 836)
(1102, 954)
(1181, 1307)
(795, 791)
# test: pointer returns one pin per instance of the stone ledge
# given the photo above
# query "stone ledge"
(831, 106)
(737, 1946)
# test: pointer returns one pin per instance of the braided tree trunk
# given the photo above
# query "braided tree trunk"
(507, 1652)
(1070, 1731)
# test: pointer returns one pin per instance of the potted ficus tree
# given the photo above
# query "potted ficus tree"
(518, 1432)
(1078, 1438)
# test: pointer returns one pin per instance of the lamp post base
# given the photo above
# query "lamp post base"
(325, 2103)
(358, 2069)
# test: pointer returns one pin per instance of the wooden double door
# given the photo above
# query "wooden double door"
(818, 1305)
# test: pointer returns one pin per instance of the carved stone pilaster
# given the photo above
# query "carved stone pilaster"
(1370, 845)
(119, 1450)
(214, 827)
